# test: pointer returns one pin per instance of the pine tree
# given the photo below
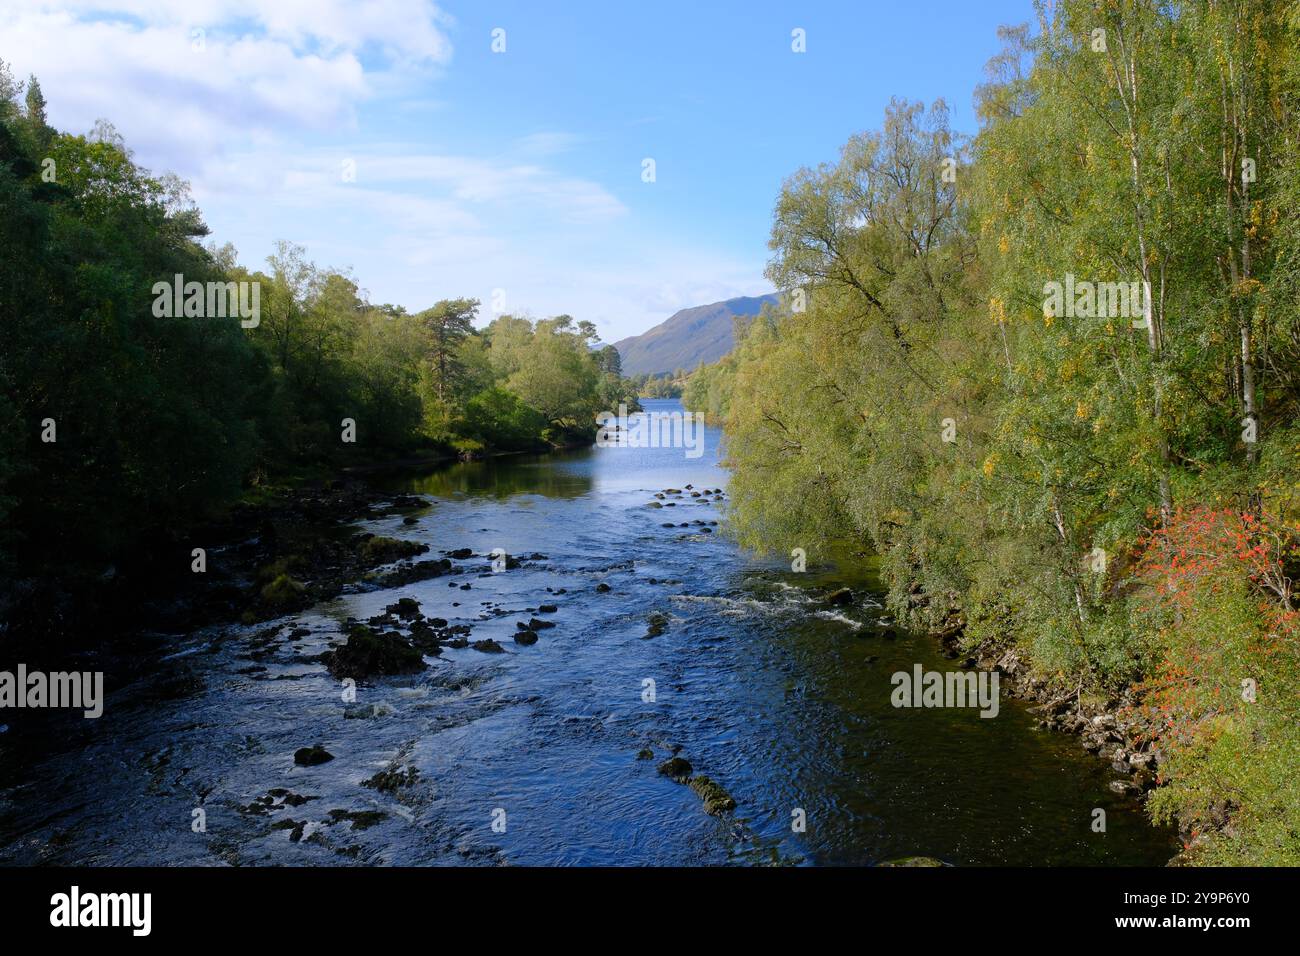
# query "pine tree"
(37, 121)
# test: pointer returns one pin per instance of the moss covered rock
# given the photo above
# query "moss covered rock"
(367, 653)
(716, 800)
(679, 768)
(378, 549)
(284, 592)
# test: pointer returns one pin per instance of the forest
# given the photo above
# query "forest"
(170, 418)
(1110, 491)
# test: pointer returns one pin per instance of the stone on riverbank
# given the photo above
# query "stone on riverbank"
(378, 549)
(284, 593)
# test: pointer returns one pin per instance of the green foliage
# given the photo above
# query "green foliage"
(499, 417)
(662, 386)
(925, 405)
(162, 420)
(155, 426)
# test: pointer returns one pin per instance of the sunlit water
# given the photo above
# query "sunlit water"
(765, 689)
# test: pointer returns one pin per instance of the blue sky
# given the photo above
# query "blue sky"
(517, 174)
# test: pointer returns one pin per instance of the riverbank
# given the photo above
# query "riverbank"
(1111, 728)
(49, 620)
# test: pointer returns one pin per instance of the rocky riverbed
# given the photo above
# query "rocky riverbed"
(526, 661)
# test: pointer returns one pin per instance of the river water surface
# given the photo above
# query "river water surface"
(758, 683)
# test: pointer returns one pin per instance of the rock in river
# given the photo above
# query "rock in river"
(716, 800)
(679, 768)
(312, 756)
(368, 653)
(840, 597)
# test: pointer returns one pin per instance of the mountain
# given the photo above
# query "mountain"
(687, 338)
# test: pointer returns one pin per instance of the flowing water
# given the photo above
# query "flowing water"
(766, 689)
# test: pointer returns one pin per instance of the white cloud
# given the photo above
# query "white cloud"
(257, 71)
(262, 117)
(403, 29)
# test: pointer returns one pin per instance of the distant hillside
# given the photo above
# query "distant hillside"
(688, 337)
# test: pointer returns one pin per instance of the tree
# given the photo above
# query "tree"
(448, 322)
(558, 375)
(36, 104)
(1014, 464)
(10, 90)
(609, 361)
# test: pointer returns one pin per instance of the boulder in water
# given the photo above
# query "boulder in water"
(679, 768)
(312, 756)
(840, 597)
(716, 800)
(368, 653)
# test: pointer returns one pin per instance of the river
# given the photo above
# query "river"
(535, 755)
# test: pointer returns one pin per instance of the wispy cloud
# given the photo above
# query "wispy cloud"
(260, 105)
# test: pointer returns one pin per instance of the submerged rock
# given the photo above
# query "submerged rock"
(526, 637)
(657, 624)
(716, 800)
(360, 819)
(389, 781)
(295, 828)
